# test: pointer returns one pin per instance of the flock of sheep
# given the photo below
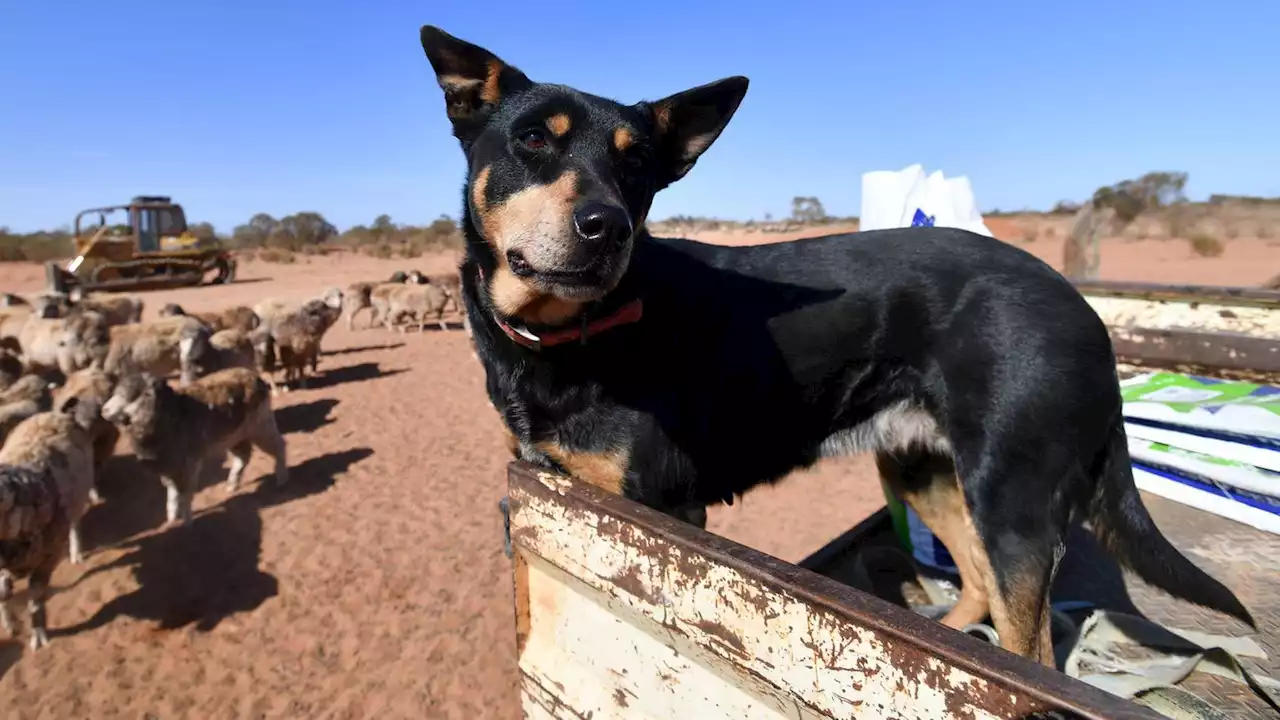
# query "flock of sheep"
(77, 373)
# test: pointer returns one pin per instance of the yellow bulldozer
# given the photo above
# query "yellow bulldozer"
(148, 247)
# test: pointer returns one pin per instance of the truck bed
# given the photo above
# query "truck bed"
(1246, 559)
(622, 612)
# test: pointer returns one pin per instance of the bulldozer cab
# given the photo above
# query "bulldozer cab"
(142, 227)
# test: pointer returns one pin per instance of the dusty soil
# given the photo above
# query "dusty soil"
(375, 584)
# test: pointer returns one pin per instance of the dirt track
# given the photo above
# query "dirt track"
(375, 584)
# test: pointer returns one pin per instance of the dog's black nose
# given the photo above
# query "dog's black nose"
(598, 222)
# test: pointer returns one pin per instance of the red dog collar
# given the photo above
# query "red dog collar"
(625, 315)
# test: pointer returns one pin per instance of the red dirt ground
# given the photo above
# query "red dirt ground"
(374, 585)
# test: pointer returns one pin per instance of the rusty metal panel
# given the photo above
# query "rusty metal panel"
(1180, 349)
(622, 612)
(1171, 315)
(1224, 295)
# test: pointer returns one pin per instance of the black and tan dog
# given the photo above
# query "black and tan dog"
(680, 374)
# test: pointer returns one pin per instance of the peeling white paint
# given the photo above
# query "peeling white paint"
(612, 606)
(1176, 315)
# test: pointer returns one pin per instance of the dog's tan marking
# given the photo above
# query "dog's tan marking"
(478, 202)
(511, 441)
(942, 508)
(623, 138)
(1020, 614)
(529, 220)
(606, 470)
(559, 124)
(661, 119)
(492, 91)
(456, 82)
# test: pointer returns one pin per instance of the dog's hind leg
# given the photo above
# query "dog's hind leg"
(1023, 535)
(927, 483)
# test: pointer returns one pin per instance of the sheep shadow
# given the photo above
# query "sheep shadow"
(10, 654)
(349, 374)
(305, 417)
(452, 326)
(361, 348)
(207, 569)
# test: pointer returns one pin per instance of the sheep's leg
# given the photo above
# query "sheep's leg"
(268, 439)
(240, 454)
(187, 490)
(440, 319)
(6, 592)
(37, 591)
(170, 500)
(178, 494)
(75, 551)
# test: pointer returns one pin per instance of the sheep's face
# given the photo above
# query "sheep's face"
(333, 298)
(133, 402)
(82, 409)
(83, 341)
(50, 306)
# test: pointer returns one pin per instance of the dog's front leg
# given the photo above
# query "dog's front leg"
(695, 514)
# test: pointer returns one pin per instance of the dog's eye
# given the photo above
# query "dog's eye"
(633, 160)
(533, 139)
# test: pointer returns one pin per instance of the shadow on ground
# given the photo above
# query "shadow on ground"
(10, 654)
(350, 374)
(206, 570)
(362, 348)
(305, 417)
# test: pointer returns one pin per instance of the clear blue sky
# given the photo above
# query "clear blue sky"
(236, 107)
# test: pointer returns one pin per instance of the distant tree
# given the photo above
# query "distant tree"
(204, 231)
(300, 230)
(382, 227)
(1130, 198)
(807, 210)
(255, 232)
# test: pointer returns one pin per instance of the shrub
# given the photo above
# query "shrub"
(1205, 245)
(277, 255)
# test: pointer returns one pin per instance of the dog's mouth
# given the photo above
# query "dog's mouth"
(594, 277)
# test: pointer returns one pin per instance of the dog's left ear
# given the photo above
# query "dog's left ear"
(474, 80)
(685, 124)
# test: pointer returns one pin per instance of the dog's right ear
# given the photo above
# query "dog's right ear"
(474, 80)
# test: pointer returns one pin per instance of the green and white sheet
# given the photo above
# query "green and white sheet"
(1212, 444)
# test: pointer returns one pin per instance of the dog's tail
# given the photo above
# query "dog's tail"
(1125, 528)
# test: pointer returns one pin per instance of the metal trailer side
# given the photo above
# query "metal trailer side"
(623, 612)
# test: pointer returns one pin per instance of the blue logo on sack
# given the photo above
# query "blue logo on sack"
(922, 220)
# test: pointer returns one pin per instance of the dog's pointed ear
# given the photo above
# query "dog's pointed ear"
(685, 124)
(473, 79)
